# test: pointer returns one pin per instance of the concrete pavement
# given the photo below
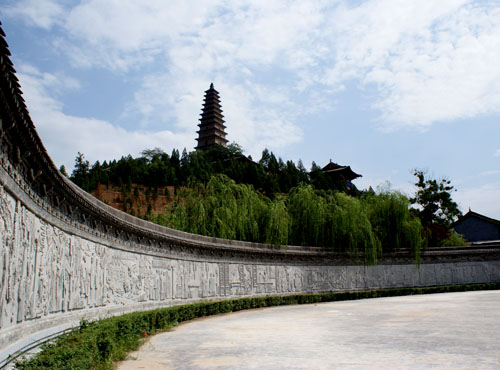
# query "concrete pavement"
(440, 331)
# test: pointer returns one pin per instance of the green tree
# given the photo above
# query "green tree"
(392, 222)
(436, 208)
(235, 149)
(435, 201)
(80, 172)
(307, 212)
(62, 169)
(150, 154)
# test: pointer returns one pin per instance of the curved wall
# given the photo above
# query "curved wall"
(67, 256)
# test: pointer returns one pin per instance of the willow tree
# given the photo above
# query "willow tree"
(308, 214)
(350, 228)
(392, 222)
(276, 223)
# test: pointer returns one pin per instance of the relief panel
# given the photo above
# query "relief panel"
(46, 271)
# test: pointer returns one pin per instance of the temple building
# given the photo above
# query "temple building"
(211, 124)
(477, 228)
(340, 172)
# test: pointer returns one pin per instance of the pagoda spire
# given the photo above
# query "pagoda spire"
(211, 124)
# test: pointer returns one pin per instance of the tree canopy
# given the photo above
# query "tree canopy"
(434, 198)
(222, 193)
(154, 168)
(436, 208)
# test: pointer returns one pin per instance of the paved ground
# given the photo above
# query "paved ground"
(440, 331)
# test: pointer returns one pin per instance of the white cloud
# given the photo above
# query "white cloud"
(497, 153)
(165, 98)
(428, 61)
(482, 199)
(211, 35)
(257, 129)
(364, 183)
(379, 184)
(190, 45)
(41, 13)
(65, 135)
(490, 173)
(55, 82)
(121, 34)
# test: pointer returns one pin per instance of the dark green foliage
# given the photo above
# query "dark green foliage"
(437, 210)
(221, 193)
(434, 198)
(96, 345)
(156, 168)
(62, 169)
(321, 181)
(81, 172)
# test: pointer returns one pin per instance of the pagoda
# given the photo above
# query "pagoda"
(211, 124)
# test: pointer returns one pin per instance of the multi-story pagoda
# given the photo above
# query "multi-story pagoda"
(211, 124)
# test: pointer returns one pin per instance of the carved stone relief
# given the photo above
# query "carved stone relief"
(46, 271)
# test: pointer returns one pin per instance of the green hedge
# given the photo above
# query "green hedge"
(96, 345)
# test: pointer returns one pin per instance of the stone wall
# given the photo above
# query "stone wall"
(54, 274)
(66, 256)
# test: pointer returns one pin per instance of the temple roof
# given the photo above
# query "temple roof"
(471, 214)
(338, 170)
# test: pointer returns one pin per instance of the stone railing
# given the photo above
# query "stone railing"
(67, 256)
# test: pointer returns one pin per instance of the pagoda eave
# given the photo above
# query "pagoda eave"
(211, 127)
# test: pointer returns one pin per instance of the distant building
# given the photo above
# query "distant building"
(211, 124)
(475, 227)
(339, 173)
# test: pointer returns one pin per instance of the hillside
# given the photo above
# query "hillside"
(138, 200)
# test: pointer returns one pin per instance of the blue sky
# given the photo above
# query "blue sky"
(383, 86)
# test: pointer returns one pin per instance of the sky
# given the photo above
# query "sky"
(384, 86)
